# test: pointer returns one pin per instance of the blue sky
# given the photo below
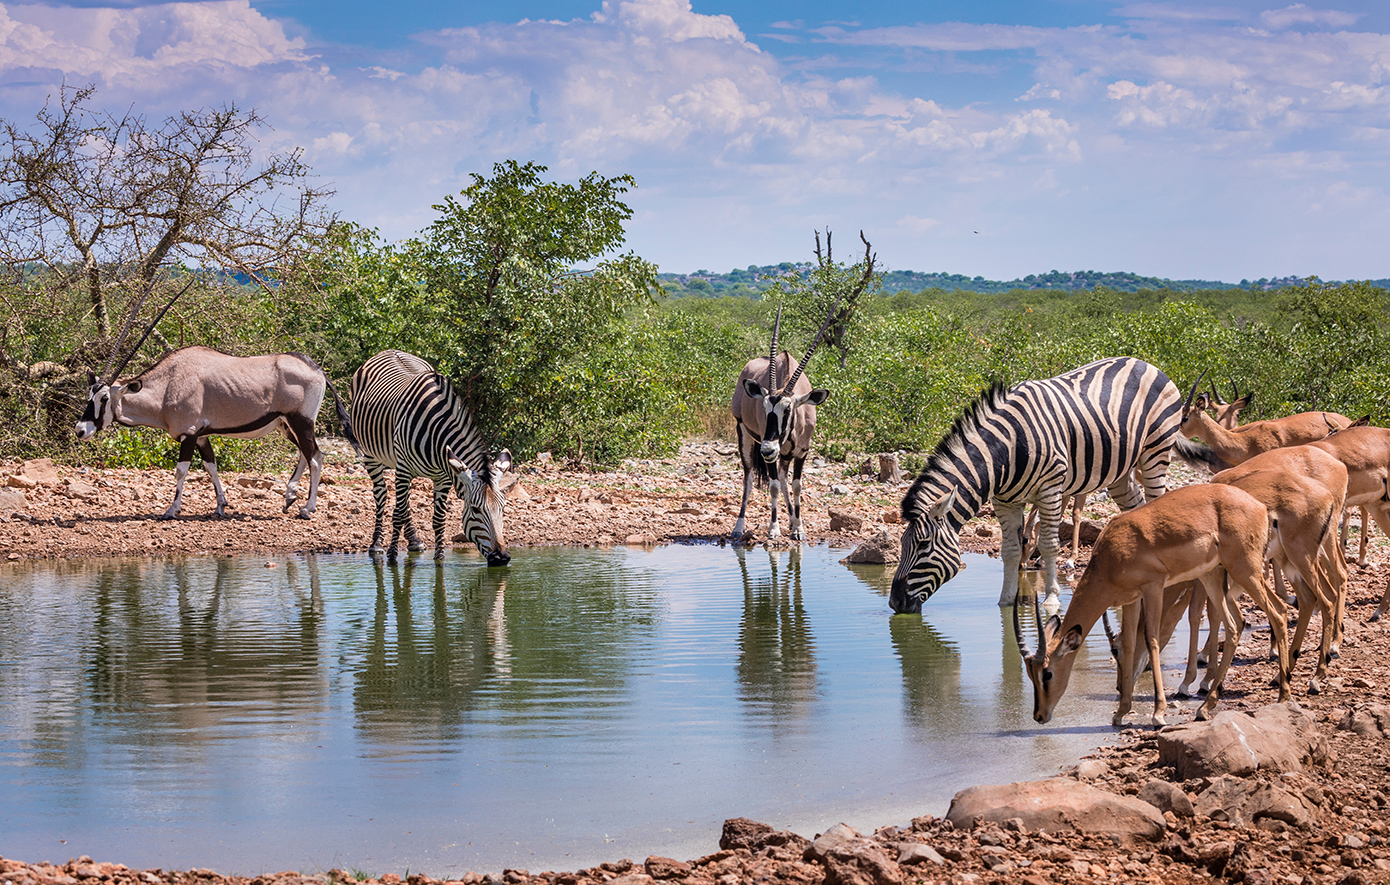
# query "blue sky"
(1179, 139)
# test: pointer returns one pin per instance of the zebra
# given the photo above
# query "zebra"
(1039, 442)
(408, 418)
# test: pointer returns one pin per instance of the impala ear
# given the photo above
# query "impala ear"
(1072, 641)
(753, 388)
(1245, 400)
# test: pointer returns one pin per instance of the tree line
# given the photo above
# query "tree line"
(520, 290)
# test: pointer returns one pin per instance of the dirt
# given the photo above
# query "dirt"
(73, 512)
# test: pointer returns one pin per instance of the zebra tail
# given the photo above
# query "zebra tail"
(1199, 455)
(342, 416)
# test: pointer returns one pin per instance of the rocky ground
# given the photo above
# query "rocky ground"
(1339, 833)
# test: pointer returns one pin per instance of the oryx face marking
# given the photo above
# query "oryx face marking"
(101, 408)
(781, 418)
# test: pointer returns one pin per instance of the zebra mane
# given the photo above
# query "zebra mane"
(474, 450)
(925, 491)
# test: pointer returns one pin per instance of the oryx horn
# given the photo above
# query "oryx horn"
(148, 330)
(772, 357)
(815, 342)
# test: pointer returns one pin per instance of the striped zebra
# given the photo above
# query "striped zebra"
(407, 418)
(1038, 443)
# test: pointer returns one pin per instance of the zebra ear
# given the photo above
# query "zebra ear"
(942, 507)
(503, 461)
(454, 462)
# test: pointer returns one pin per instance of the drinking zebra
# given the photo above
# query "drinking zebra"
(407, 418)
(1039, 442)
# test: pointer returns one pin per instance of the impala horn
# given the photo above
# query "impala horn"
(148, 330)
(1215, 395)
(1023, 649)
(1110, 635)
(1193, 392)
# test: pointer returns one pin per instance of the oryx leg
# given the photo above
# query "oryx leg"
(378, 474)
(745, 457)
(210, 465)
(441, 513)
(187, 446)
(1010, 548)
(794, 501)
(300, 431)
(774, 488)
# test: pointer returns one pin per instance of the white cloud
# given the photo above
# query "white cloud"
(1300, 14)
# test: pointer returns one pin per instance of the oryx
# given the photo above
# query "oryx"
(196, 392)
(775, 426)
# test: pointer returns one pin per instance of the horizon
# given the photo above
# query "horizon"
(1182, 140)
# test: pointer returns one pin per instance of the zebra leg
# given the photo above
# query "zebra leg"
(210, 465)
(1049, 545)
(1010, 548)
(794, 501)
(378, 474)
(400, 517)
(441, 512)
(187, 445)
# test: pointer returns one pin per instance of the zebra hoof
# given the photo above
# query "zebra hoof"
(415, 546)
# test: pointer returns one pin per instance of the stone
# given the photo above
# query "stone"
(1090, 769)
(41, 471)
(892, 517)
(879, 549)
(888, 469)
(20, 481)
(1058, 805)
(844, 521)
(1166, 797)
(740, 832)
(861, 862)
(839, 489)
(918, 852)
(1245, 802)
(840, 834)
(666, 868)
(81, 490)
(12, 500)
(1371, 721)
(1278, 737)
(640, 540)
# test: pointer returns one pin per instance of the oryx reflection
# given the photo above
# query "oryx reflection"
(776, 657)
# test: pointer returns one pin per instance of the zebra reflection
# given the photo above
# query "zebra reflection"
(776, 661)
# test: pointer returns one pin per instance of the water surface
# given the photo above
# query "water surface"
(574, 707)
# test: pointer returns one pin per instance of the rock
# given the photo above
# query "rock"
(844, 521)
(881, 548)
(1090, 531)
(839, 489)
(1277, 737)
(1166, 797)
(1372, 721)
(866, 468)
(11, 500)
(666, 868)
(889, 469)
(740, 832)
(1090, 769)
(1058, 805)
(81, 490)
(517, 494)
(41, 471)
(20, 481)
(861, 862)
(1245, 802)
(840, 834)
(640, 540)
(892, 517)
(918, 852)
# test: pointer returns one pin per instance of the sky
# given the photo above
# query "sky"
(997, 138)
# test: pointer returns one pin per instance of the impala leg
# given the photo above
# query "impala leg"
(378, 474)
(1196, 599)
(1365, 536)
(210, 465)
(1153, 631)
(1128, 662)
(441, 513)
(1010, 548)
(1379, 514)
(1077, 503)
(187, 445)
(1222, 611)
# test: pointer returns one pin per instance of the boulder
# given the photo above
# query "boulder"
(861, 862)
(1245, 802)
(836, 836)
(41, 471)
(1277, 737)
(844, 521)
(11, 500)
(1058, 805)
(740, 832)
(919, 852)
(82, 491)
(666, 868)
(1371, 721)
(880, 549)
(1166, 797)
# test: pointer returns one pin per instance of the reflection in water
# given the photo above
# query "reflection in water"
(777, 651)
(932, 699)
